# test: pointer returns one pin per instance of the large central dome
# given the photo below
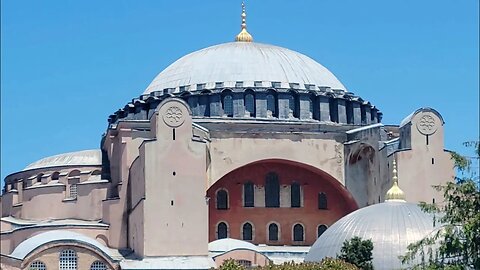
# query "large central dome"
(246, 62)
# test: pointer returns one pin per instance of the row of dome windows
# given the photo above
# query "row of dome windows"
(67, 261)
(247, 233)
(297, 107)
(272, 195)
(72, 179)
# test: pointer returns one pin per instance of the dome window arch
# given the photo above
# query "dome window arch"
(271, 100)
(55, 176)
(98, 265)
(322, 201)
(321, 229)
(248, 194)
(227, 103)
(272, 190)
(273, 232)
(310, 107)
(247, 231)
(293, 105)
(37, 265)
(295, 195)
(298, 233)
(39, 178)
(68, 260)
(249, 100)
(222, 199)
(222, 230)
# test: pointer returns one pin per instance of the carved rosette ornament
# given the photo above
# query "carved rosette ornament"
(173, 116)
(427, 124)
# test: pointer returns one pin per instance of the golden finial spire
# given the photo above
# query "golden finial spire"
(395, 193)
(244, 36)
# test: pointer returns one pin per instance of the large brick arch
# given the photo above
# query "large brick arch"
(312, 181)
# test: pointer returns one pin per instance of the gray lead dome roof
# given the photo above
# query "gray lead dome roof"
(391, 226)
(247, 62)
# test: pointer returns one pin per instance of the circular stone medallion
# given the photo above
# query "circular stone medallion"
(427, 124)
(173, 116)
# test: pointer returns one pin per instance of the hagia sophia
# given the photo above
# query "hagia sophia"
(240, 150)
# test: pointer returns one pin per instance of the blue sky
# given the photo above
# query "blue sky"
(67, 65)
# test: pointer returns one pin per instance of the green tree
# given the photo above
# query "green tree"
(358, 252)
(456, 245)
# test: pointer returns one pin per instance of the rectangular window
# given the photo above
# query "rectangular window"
(248, 195)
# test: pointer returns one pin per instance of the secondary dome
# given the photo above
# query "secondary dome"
(79, 158)
(391, 226)
(246, 62)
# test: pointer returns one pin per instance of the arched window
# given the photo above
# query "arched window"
(271, 104)
(248, 195)
(98, 265)
(298, 232)
(250, 104)
(55, 176)
(68, 260)
(247, 232)
(272, 190)
(222, 199)
(291, 105)
(273, 232)
(322, 200)
(37, 265)
(39, 178)
(310, 107)
(321, 229)
(295, 194)
(222, 230)
(227, 105)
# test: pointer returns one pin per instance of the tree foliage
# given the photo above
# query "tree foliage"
(358, 252)
(456, 245)
(325, 264)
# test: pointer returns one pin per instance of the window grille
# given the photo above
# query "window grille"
(272, 190)
(228, 105)
(222, 199)
(295, 195)
(222, 230)
(273, 232)
(247, 232)
(248, 195)
(98, 265)
(68, 260)
(244, 263)
(73, 191)
(298, 232)
(37, 265)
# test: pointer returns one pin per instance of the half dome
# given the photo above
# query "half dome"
(391, 226)
(246, 62)
(79, 158)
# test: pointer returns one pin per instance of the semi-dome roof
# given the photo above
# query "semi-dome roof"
(246, 62)
(227, 244)
(391, 226)
(80, 158)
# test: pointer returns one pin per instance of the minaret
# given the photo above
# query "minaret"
(244, 36)
(395, 193)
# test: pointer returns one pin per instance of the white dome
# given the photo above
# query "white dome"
(391, 226)
(227, 244)
(248, 62)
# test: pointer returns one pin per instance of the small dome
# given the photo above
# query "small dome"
(80, 158)
(227, 244)
(391, 226)
(247, 62)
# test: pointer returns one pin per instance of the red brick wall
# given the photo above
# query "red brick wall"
(312, 181)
